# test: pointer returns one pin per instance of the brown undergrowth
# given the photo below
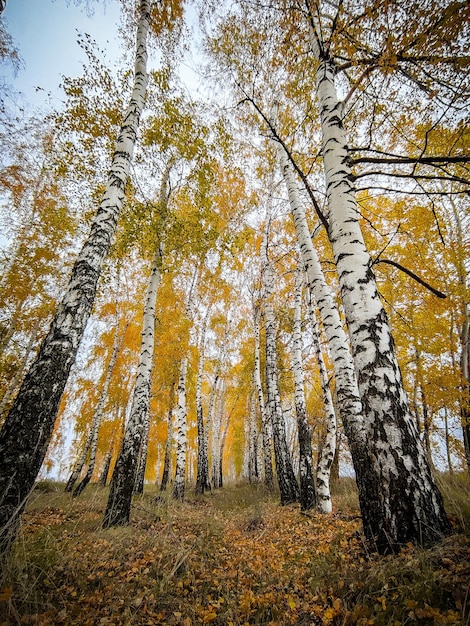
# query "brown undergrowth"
(231, 557)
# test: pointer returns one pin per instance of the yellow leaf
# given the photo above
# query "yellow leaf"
(209, 616)
(291, 602)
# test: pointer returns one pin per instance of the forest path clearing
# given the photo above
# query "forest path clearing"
(234, 557)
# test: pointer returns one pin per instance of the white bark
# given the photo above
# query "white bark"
(346, 383)
(266, 428)
(285, 474)
(181, 413)
(124, 475)
(29, 425)
(409, 506)
(304, 434)
(202, 480)
(327, 453)
(216, 424)
(253, 435)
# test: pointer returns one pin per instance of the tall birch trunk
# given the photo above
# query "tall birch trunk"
(202, 479)
(285, 474)
(118, 507)
(306, 473)
(349, 402)
(253, 434)
(181, 413)
(211, 410)
(326, 454)
(168, 443)
(140, 474)
(29, 425)
(409, 505)
(215, 440)
(98, 415)
(266, 429)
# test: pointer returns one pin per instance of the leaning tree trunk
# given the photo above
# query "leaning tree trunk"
(349, 402)
(118, 507)
(79, 463)
(326, 454)
(103, 479)
(29, 425)
(409, 507)
(265, 424)
(181, 426)
(285, 474)
(306, 473)
(98, 415)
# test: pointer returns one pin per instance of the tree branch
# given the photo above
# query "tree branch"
(419, 280)
(277, 138)
(429, 160)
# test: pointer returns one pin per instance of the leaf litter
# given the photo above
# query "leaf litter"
(231, 558)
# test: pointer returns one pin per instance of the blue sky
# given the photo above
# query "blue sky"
(45, 31)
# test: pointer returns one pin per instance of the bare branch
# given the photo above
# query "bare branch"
(419, 280)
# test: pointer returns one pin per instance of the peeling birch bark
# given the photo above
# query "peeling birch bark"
(409, 505)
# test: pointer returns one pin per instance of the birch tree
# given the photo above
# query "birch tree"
(181, 428)
(327, 450)
(285, 475)
(28, 427)
(266, 427)
(124, 476)
(306, 473)
(398, 462)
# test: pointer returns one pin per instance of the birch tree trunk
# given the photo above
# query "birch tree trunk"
(29, 425)
(409, 505)
(306, 473)
(103, 479)
(181, 413)
(326, 454)
(202, 479)
(118, 507)
(168, 444)
(140, 474)
(80, 462)
(252, 447)
(285, 475)
(98, 415)
(217, 414)
(265, 424)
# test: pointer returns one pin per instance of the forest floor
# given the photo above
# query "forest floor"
(231, 557)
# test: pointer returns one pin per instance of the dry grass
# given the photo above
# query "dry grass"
(232, 557)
